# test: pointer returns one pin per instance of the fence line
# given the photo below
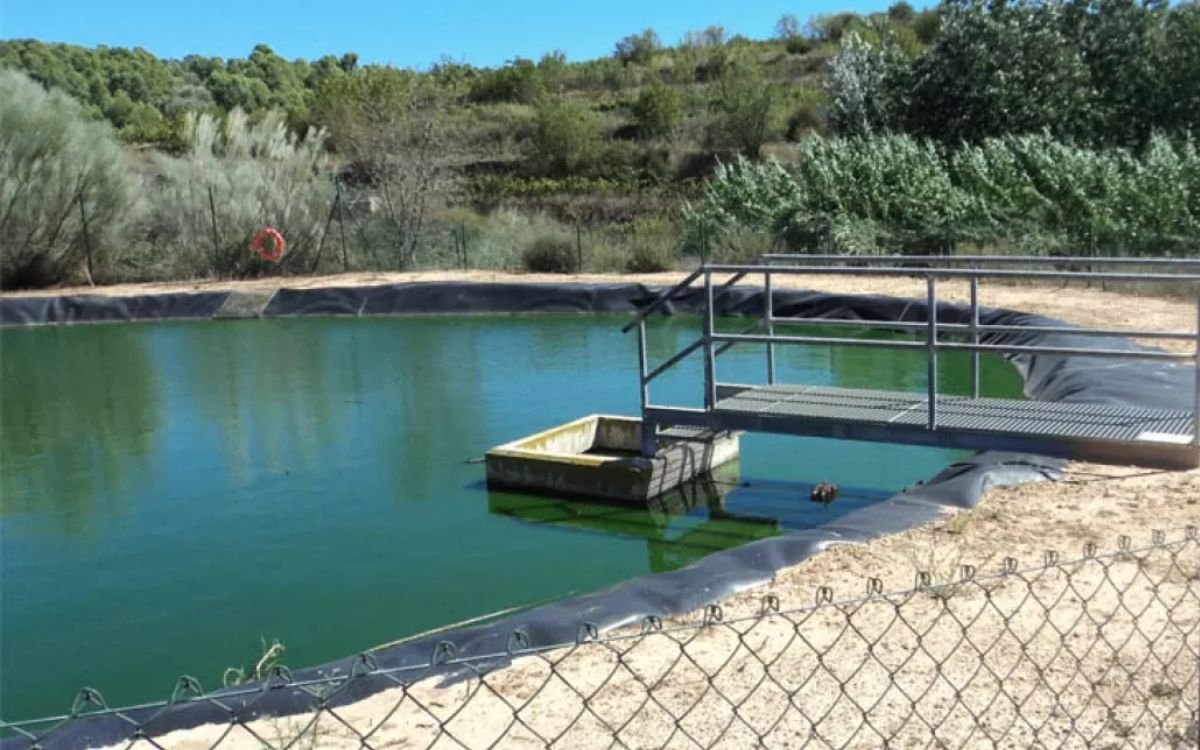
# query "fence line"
(1098, 651)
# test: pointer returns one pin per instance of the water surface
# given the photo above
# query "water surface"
(171, 493)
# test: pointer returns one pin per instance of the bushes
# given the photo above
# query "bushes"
(566, 138)
(52, 157)
(550, 254)
(259, 175)
(887, 193)
(658, 112)
(748, 109)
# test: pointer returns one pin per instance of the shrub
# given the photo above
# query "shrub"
(638, 49)
(566, 137)
(259, 175)
(51, 157)
(748, 109)
(649, 257)
(550, 254)
(518, 81)
(658, 111)
(862, 81)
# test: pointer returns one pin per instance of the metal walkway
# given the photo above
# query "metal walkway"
(1098, 432)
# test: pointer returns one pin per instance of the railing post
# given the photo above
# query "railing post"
(710, 367)
(644, 388)
(649, 436)
(769, 319)
(931, 347)
(975, 336)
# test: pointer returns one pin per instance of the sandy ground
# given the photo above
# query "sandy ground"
(1100, 654)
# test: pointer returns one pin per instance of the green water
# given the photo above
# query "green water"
(171, 493)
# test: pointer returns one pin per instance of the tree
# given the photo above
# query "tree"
(862, 87)
(658, 111)
(748, 109)
(385, 121)
(518, 81)
(638, 49)
(999, 68)
(787, 27)
(902, 12)
(566, 137)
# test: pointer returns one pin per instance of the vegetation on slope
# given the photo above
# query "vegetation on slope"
(1057, 125)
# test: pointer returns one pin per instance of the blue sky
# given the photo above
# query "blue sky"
(482, 32)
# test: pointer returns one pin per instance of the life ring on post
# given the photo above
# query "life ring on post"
(275, 251)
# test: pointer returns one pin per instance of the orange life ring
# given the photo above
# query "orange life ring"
(275, 252)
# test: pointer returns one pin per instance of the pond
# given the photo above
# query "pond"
(173, 493)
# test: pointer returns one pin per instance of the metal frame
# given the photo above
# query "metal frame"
(980, 267)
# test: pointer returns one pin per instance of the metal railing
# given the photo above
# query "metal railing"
(972, 332)
(1097, 651)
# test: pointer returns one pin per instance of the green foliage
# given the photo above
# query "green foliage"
(638, 49)
(862, 87)
(658, 111)
(255, 175)
(347, 105)
(1108, 72)
(566, 138)
(748, 109)
(518, 81)
(51, 157)
(897, 193)
(550, 254)
(649, 257)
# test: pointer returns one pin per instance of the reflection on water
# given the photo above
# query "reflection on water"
(86, 405)
(703, 516)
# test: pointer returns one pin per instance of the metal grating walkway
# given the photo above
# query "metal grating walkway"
(1090, 431)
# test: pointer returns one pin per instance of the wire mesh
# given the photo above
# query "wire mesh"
(1101, 651)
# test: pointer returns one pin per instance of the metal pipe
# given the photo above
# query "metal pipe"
(645, 387)
(730, 344)
(820, 340)
(963, 347)
(897, 325)
(710, 369)
(962, 273)
(931, 343)
(974, 336)
(769, 314)
(662, 297)
(1066, 351)
(998, 260)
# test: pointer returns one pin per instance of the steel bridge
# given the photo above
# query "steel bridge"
(1089, 431)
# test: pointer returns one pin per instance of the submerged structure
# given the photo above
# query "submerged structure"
(600, 456)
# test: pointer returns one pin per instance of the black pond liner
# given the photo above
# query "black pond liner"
(1078, 379)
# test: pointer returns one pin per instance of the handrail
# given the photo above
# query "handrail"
(955, 273)
(715, 343)
(975, 260)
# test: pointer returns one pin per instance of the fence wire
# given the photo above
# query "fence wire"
(1102, 651)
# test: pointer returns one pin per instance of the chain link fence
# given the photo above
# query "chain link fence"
(1101, 651)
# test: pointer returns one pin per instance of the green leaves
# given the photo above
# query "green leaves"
(899, 193)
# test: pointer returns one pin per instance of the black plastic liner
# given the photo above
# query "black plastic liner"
(1047, 378)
